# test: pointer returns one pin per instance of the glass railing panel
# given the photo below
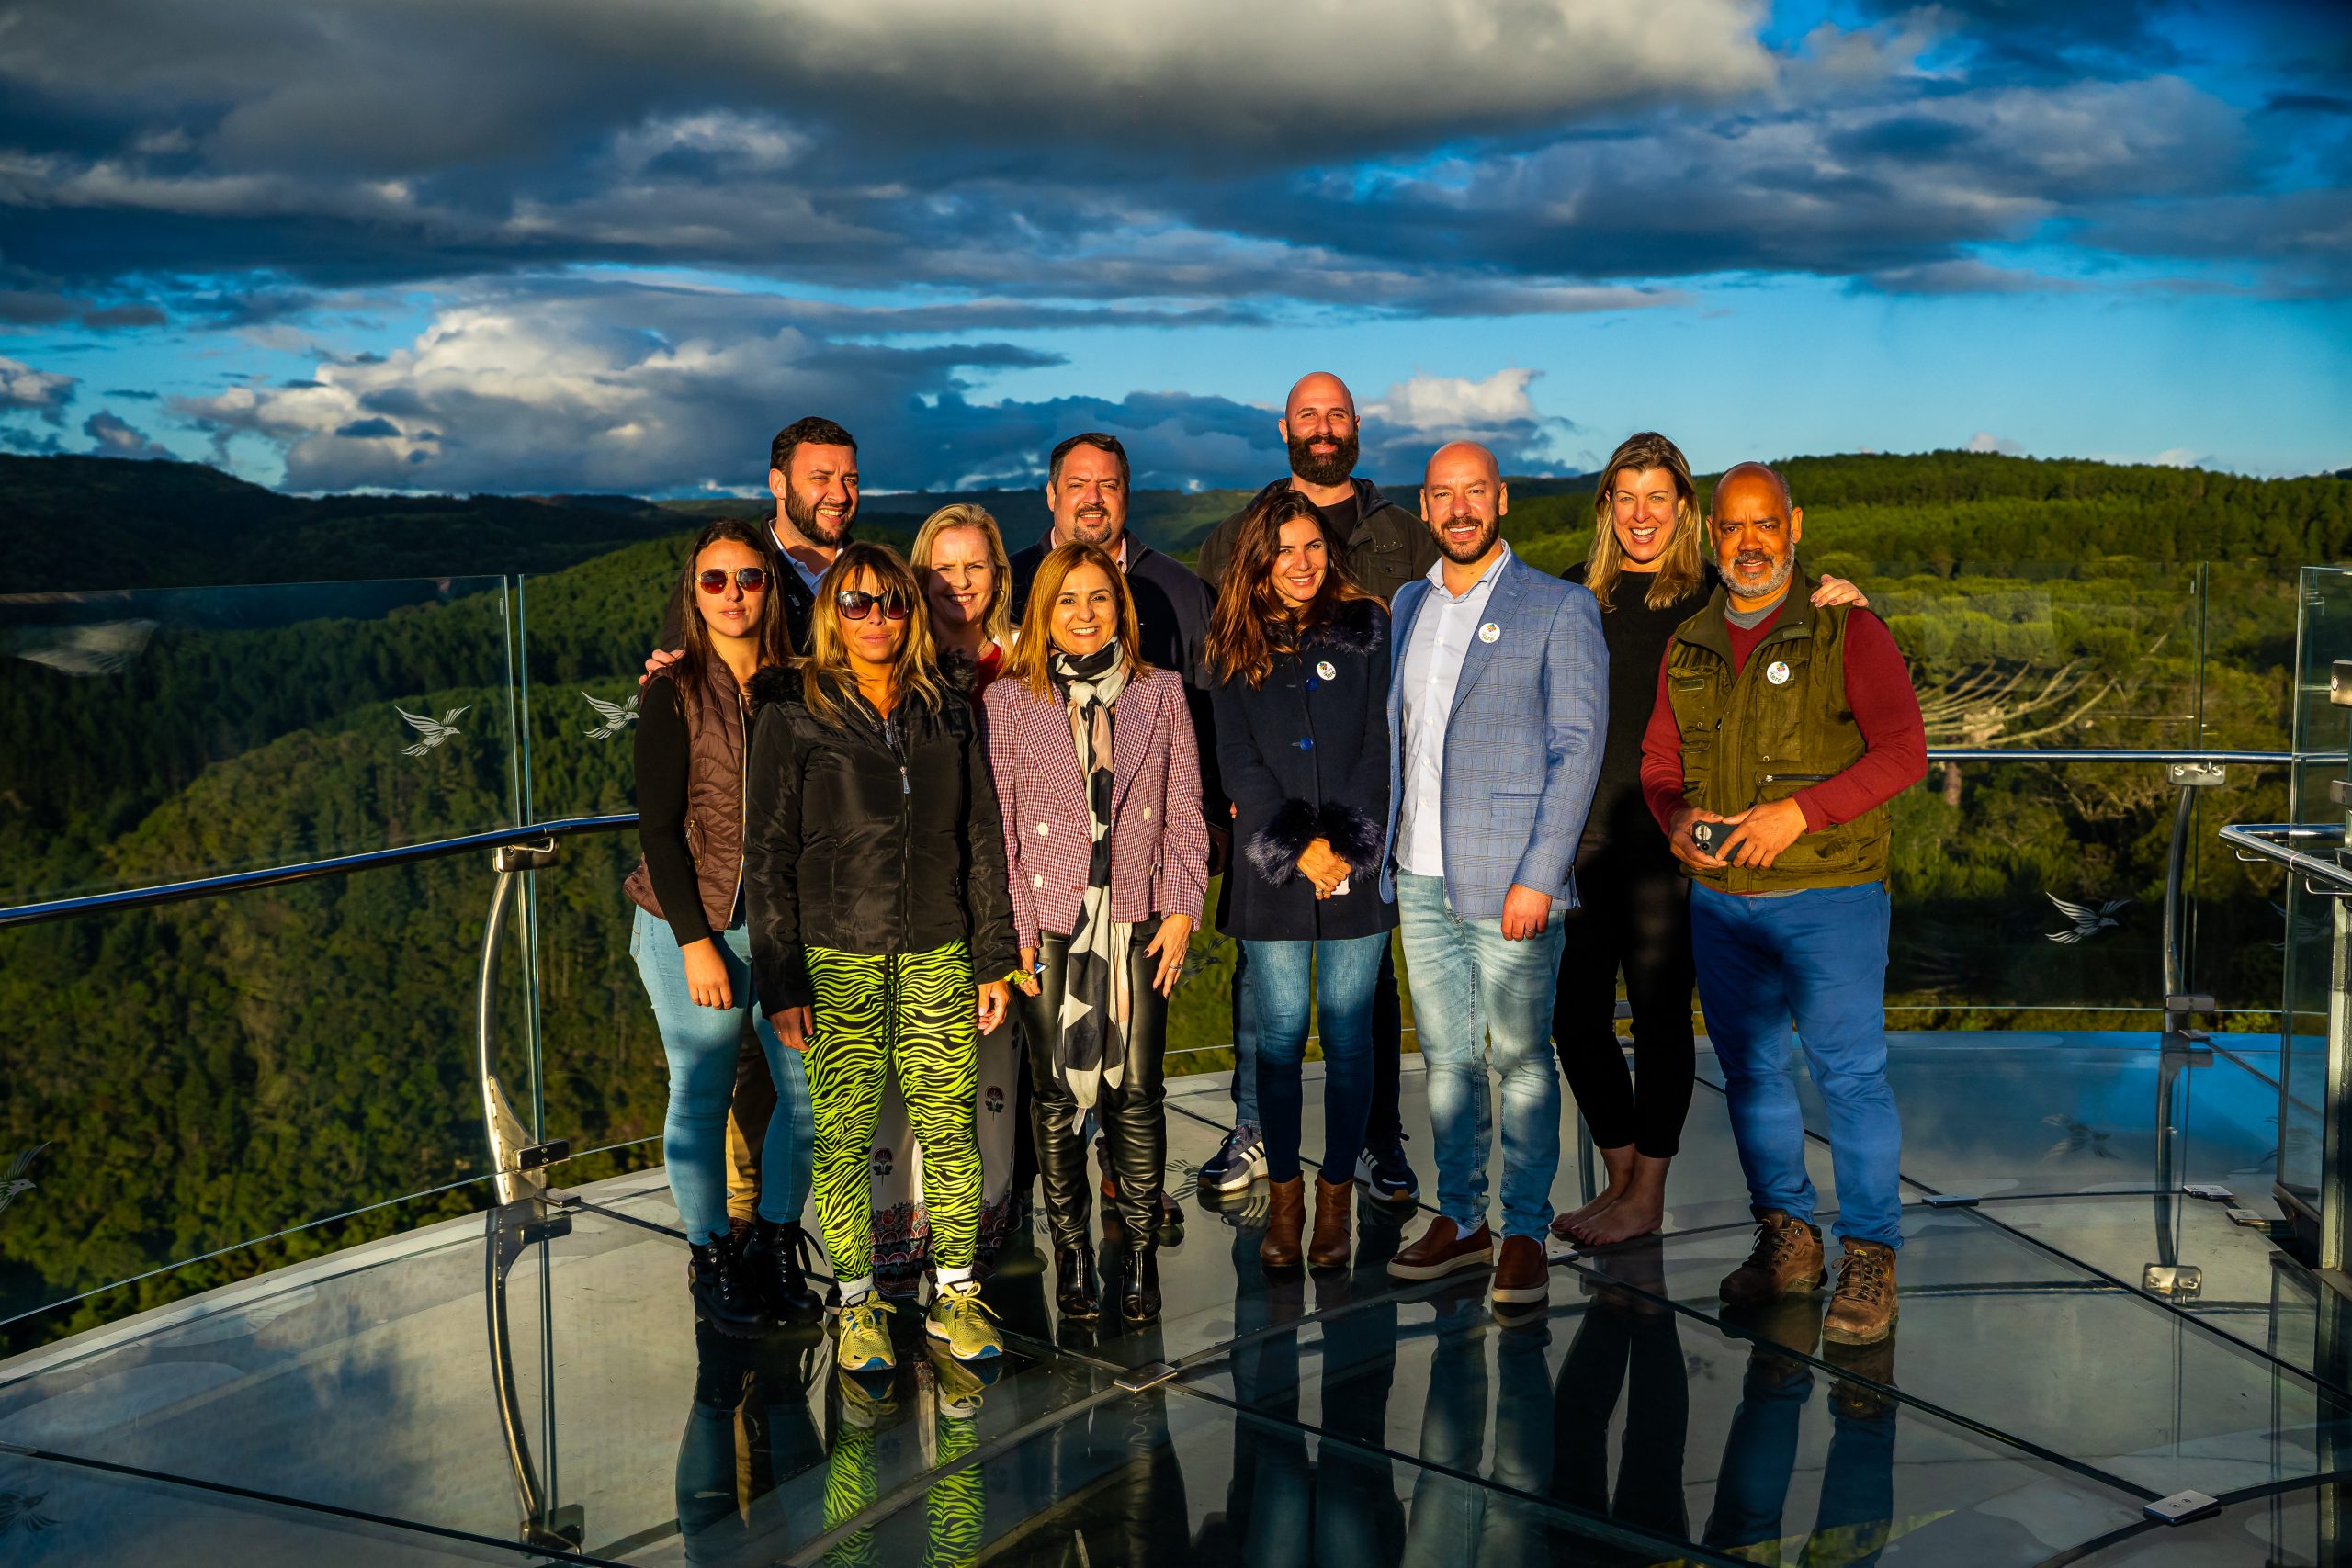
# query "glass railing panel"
(2321, 731)
(157, 736)
(586, 633)
(262, 1068)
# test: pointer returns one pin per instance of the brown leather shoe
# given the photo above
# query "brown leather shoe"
(1285, 1217)
(1520, 1272)
(1862, 1311)
(1442, 1250)
(1786, 1261)
(1334, 1211)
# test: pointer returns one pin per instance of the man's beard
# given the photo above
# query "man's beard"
(802, 515)
(1480, 545)
(1088, 526)
(1329, 470)
(1781, 572)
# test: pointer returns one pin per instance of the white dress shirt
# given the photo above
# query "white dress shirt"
(1432, 670)
(805, 576)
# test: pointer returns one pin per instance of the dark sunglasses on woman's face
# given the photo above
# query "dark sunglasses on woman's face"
(750, 578)
(856, 602)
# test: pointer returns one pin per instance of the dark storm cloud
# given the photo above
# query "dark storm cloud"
(1173, 159)
(113, 436)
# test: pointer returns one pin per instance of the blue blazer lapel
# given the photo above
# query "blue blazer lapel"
(1502, 606)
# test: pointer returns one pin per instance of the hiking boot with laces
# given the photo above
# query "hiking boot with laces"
(959, 1320)
(863, 1343)
(1786, 1261)
(1862, 1311)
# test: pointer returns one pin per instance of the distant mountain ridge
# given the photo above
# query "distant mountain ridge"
(75, 523)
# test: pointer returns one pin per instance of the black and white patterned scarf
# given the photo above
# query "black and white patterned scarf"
(1091, 1055)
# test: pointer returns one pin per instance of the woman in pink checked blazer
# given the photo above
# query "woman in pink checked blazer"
(1099, 779)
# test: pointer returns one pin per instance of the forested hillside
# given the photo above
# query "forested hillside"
(202, 1074)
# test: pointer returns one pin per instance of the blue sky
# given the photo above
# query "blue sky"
(607, 244)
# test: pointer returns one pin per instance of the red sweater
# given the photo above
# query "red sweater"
(1886, 710)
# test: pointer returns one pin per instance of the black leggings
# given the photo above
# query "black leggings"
(1635, 915)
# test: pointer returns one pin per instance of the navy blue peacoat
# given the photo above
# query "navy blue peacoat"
(1305, 755)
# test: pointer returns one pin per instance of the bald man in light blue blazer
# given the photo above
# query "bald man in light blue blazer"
(1497, 705)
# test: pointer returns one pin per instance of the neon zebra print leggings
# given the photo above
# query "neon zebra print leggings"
(916, 1012)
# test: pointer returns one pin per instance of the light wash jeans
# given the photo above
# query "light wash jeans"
(1281, 990)
(700, 1043)
(1818, 958)
(1477, 1000)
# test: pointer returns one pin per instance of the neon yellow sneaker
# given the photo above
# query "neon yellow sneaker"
(960, 1319)
(864, 1339)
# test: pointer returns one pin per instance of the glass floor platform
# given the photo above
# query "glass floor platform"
(2079, 1342)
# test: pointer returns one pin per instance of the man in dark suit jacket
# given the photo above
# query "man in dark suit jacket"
(812, 473)
(1086, 486)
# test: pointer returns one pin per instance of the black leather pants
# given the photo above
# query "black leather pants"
(1133, 1117)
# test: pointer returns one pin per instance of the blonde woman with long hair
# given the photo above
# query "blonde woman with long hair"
(881, 932)
(1648, 567)
(967, 584)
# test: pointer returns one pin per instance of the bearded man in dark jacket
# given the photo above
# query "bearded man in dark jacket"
(1382, 546)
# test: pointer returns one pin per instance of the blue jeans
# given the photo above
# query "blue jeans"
(1245, 1042)
(1280, 989)
(1818, 957)
(1478, 998)
(700, 1043)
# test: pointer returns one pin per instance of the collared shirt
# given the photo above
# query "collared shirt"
(810, 577)
(1432, 672)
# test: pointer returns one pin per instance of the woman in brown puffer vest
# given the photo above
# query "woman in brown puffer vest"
(690, 943)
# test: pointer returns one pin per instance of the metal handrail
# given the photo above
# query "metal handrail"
(306, 871)
(2268, 840)
(408, 854)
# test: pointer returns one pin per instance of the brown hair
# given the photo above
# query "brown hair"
(1253, 621)
(1683, 568)
(996, 624)
(696, 654)
(1033, 654)
(827, 683)
(1093, 438)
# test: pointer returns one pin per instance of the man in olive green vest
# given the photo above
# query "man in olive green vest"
(1787, 728)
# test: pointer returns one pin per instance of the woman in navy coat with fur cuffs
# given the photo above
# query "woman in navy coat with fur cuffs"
(1300, 657)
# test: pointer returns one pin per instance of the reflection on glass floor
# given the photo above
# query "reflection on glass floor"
(2041, 1386)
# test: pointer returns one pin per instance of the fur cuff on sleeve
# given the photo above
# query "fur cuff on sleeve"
(1354, 836)
(1275, 847)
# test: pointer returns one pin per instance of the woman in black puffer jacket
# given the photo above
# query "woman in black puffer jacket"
(1301, 659)
(881, 924)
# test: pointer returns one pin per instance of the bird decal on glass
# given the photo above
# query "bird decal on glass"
(430, 731)
(2088, 922)
(22, 1510)
(617, 716)
(18, 1183)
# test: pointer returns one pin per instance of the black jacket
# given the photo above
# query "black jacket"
(1389, 548)
(1172, 611)
(869, 837)
(1305, 756)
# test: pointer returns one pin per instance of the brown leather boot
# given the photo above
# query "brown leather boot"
(1285, 1217)
(1862, 1311)
(1786, 1261)
(1334, 1211)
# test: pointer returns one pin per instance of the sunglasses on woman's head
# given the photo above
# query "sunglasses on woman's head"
(750, 578)
(856, 602)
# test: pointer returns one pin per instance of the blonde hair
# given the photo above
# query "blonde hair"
(827, 682)
(996, 623)
(1683, 568)
(1033, 656)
